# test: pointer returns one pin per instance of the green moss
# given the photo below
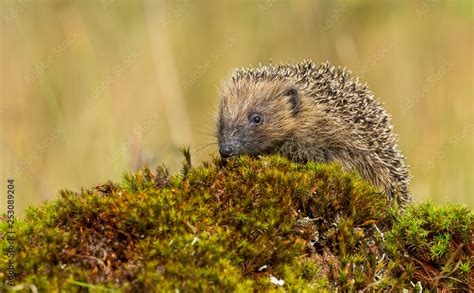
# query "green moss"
(434, 245)
(235, 225)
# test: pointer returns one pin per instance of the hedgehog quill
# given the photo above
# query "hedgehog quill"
(311, 113)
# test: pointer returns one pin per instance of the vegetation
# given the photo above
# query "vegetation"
(237, 225)
(68, 66)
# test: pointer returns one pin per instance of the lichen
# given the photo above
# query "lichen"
(238, 225)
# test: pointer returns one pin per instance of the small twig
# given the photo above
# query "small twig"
(100, 262)
(442, 275)
(371, 285)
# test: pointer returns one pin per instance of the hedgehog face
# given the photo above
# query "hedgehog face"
(255, 116)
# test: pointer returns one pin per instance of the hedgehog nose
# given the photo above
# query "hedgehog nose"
(226, 150)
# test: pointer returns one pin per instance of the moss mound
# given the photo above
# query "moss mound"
(244, 224)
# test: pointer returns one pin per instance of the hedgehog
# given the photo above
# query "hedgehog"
(312, 113)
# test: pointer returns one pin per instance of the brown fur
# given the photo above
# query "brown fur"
(335, 119)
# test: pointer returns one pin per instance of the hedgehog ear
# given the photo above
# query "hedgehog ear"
(293, 98)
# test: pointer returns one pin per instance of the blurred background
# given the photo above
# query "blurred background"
(91, 89)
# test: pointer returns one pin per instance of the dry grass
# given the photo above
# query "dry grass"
(92, 88)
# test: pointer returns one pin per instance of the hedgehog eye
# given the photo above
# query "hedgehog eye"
(256, 119)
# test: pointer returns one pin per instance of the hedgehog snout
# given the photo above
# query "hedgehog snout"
(228, 149)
